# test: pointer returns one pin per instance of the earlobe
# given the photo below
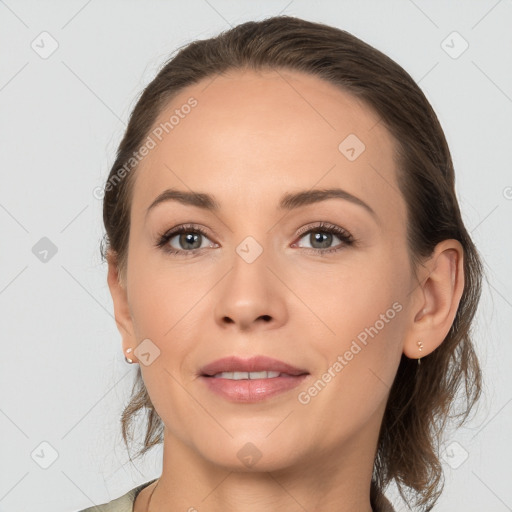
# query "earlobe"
(439, 295)
(122, 313)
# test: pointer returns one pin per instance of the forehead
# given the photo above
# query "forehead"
(275, 130)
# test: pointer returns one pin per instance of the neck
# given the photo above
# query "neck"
(335, 482)
(314, 476)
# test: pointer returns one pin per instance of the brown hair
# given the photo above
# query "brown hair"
(422, 397)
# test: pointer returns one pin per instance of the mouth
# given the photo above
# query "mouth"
(248, 375)
(250, 380)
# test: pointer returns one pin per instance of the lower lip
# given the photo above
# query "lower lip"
(247, 390)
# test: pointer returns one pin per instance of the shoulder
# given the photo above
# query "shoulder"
(122, 504)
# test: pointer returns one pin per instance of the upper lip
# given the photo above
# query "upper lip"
(252, 364)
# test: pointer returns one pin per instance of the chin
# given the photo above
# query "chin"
(255, 453)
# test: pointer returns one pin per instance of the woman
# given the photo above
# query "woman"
(290, 270)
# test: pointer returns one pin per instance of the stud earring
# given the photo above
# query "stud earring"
(420, 348)
(127, 359)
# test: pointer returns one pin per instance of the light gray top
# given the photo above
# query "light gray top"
(122, 504)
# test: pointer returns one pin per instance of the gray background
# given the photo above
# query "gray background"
(63, 379)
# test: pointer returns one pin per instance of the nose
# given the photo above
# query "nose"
(251, 297)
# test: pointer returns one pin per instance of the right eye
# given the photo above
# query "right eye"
(188, 238)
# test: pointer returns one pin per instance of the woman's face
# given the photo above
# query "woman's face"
(264, 279)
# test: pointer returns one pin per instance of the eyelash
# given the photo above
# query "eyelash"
(324, 227)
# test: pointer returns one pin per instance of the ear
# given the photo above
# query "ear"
(121, 307)
(436, 300)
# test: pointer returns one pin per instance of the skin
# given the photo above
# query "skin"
(253, 137)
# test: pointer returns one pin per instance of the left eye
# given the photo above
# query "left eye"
(321, 238)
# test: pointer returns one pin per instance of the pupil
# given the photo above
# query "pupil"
(327, 239)
(190, 238)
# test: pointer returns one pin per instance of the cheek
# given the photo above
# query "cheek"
(164, 305)
(359, 327)
(163, 298)
(347, 300)
(360, 361)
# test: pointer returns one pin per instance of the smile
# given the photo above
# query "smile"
(248, 375)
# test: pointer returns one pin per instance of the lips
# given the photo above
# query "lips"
(253, 364)
(250, 380)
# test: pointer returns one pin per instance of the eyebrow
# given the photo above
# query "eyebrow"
(289, 201)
